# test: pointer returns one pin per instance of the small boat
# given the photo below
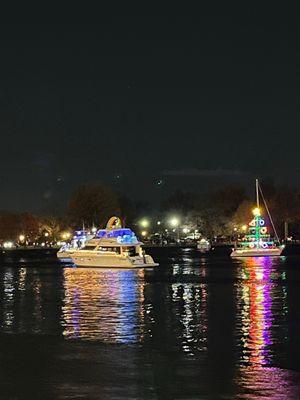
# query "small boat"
(203, 245)
(113, 247)
(257, 242)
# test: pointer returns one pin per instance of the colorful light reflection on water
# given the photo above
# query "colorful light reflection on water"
(257, 312)
(193, 328)
(103, 304)
(257, 376)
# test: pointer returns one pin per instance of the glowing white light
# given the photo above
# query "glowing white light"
(144, 233)
(46, 234)
(144, 223)
(21, 238)
(174, 222)
(8, 245)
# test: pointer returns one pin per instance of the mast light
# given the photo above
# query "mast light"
(256, 212)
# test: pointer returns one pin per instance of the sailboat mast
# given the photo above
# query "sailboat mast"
(257, 193)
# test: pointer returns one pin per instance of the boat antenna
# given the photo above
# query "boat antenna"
(266, 206)
(257, 192)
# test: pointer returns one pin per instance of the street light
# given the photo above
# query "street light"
(66, 235)
(21, 238)
(144, 233)
(174, 222)
(144, 223)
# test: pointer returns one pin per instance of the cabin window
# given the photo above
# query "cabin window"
(130, 250)
(89, 247)
(113, 249)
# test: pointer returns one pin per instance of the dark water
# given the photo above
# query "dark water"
(194, 328)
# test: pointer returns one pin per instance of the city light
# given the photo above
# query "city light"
(144, 233)
(65, 235)
(21, 238)
(46, 234)
(174, 222)
(244, 228)
(8, 245)
(144, 223)
(185, 230)
(94, 229)
(158, 222)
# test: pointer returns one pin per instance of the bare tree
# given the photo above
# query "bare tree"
(92, 204)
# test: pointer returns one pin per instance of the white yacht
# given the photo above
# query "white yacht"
(113, 247)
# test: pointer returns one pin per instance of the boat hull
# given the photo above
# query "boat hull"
(113, 261)
(256, 252)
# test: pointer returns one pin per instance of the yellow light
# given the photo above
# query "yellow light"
(65, 235)
(256, 212)
(144, 233)
(244, 227)
(46, 234)
(21, 238)
(144, 223)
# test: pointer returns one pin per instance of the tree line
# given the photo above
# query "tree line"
(219, 212)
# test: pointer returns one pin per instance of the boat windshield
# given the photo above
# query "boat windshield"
(123, 235)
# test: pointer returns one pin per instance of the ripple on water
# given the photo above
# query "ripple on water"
(218, 328)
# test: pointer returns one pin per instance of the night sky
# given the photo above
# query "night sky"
(147, 104)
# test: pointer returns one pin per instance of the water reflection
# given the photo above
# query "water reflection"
(103, 304)
(190, 311)
(256, 314)
(29, 302)
(268, 383)
(221, 328)
(261, 324)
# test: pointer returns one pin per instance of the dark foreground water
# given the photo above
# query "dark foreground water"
(193, 328)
